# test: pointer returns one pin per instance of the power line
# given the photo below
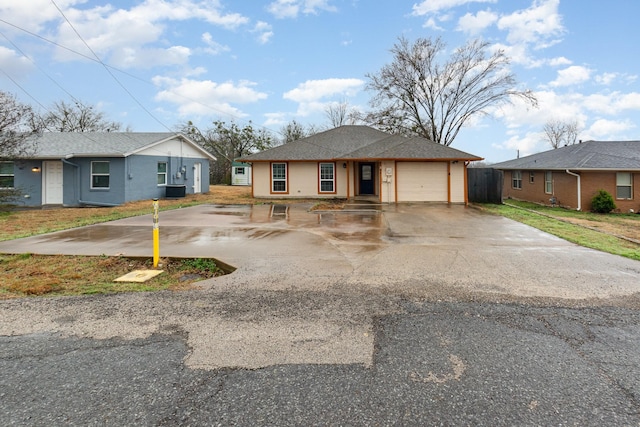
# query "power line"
(109, 70)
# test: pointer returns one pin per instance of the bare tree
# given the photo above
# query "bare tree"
(340, 114)
(434, 99)
(227, 142)
(78, 117)
(294, 131)
(561, 133)
(18, 123)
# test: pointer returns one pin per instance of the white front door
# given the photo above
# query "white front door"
(197, 177)
(52, 183)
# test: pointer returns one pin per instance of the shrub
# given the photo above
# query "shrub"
(602, 202)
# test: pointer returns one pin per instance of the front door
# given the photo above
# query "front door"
(52, 183)
(197, 177)
(367, 178)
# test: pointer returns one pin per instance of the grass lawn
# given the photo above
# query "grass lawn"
(28, 275)
(617, 234)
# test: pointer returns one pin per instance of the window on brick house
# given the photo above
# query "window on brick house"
(516, 179)
(624, 187)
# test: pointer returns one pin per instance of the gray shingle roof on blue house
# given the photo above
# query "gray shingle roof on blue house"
(57, 145)
(588, 155)
(358, 143)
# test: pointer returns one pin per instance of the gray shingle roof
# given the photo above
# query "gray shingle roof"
(588, 155)
(358, 143)
(56, 145)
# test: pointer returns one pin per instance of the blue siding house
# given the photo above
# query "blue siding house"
(107, 168)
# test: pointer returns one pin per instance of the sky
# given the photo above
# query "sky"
(154, 64)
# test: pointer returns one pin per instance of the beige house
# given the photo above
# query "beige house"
(351, 161)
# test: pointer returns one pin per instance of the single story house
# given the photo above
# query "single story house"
(350, 161)
(240, 173)
(106, 168)
(570, 176)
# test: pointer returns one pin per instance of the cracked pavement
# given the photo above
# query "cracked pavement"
(414, 315)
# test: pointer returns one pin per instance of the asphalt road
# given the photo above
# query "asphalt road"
(434, 364)
(417, 315)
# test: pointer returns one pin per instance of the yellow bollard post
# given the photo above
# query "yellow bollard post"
(156, 235)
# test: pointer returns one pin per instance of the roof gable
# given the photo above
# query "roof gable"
(595, 155)
(357, 143)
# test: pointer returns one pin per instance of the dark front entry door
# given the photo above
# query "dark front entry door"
(367, 178)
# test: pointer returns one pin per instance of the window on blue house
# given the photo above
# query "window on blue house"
(6, 175)
(162, 173)
(100, 175)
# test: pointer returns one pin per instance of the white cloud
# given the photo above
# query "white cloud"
(427, 7)
(292, 8)
(213, 47)
(13, 64)
(612, 103)
(572, 75)
(314, 90)
(535, 25)
(559, 61)
(313, 96)
(118, 32)
(264, 31)
(608, 129)
(530, 143)
(475, 24)
(206, 97)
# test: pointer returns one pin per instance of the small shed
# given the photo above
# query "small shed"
(240, 173)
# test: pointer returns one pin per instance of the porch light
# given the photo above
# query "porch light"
(35, 169)
(344, 166)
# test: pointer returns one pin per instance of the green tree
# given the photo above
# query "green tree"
(228, 141)
(418, 93)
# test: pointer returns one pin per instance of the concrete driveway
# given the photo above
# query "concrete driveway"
(309, 286)
(395, 247)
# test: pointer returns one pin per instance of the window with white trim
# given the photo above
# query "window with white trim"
(162, 173)
(279, 177)
(327, 177)
(6, 175)
(548, 182)
(516, 179)
(624, 185)
(100, 175)
(240, 170)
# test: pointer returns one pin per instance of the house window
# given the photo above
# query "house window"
(162, 173)
(240, 170)
(327, 178)
(548, 182)
(279, 177)
(532, 176)
(516, 179)
(100, 175)
(6, 175)
(624, 188)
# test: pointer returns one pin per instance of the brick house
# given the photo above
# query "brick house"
(570, 176)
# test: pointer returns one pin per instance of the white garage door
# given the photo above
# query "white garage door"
(422, 182)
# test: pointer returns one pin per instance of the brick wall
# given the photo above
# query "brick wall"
(565, 189)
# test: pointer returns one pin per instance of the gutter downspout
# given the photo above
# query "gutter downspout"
(579, 188)
(83, 202)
